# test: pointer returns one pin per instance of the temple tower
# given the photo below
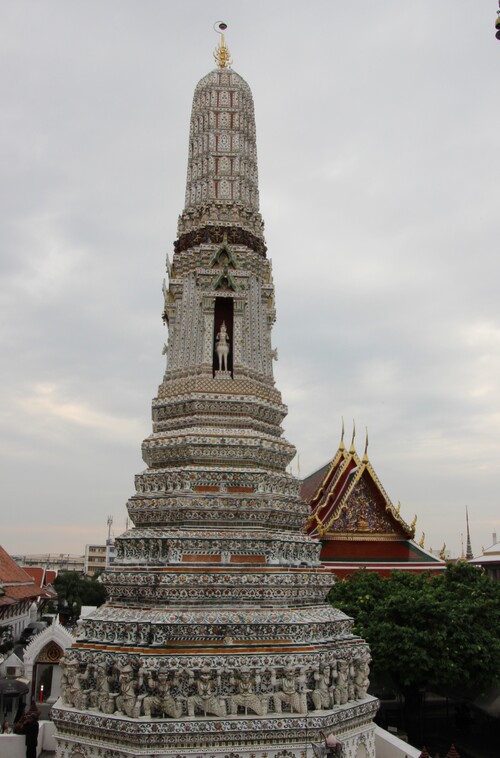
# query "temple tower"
(216, 638)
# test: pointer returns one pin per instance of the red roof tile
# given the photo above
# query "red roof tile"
(10, 572)
(15, 583)
(36, 573)
(22, 591)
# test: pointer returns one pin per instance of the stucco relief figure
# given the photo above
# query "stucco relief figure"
(245, 694)
(161, 702)
(71, 684)
(341, 688)
(127, 701)
(222, 347)
(100, 697)
(361, 680)
(292, 691)
(206, 699)
(322, 697)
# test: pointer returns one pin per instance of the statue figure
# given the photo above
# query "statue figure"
(71, 684)
(222, 347)
(206, 699)
(361, 680)
(245, 694)
(292, 692)
(100, 697)
(161, 700)
(127, 701)
(322, 696)
(341, 688)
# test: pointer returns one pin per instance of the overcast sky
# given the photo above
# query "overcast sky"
(378, 144)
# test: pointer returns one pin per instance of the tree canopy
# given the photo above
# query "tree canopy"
(438, 632)
(74, 590)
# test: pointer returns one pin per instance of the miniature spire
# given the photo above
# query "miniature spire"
(468, 553)
(442, 554)
(342, 446)
(365, 455)
(422, 541)
(221, 53)
(352, 449)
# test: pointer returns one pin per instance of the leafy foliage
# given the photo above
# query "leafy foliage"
(427, 631)
(6, 639)
(74, 590)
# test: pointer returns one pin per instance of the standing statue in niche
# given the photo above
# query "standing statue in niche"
(222, 347)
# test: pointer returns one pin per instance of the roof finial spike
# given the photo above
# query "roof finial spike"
(342, 446)
(352, 449)
(221, 53)
(468, 552)
(365, 454)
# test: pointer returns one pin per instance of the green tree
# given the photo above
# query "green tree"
(6, 639)
(436, 632)
(74, 590)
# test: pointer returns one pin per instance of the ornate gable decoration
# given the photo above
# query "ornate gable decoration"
(225, 281)
(223, 256)
(351, 503)
(51, 653)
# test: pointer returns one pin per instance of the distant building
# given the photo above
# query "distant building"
(356, 523)
(18, 595)
(55, 561)
(99, 557)
(490, 559)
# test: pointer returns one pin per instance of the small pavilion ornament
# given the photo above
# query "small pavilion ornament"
(217, 638)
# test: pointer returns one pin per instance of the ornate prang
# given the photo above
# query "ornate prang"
(217, 634)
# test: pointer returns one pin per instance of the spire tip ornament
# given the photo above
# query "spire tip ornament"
(365, 455)
(221, 53)
(352, 448)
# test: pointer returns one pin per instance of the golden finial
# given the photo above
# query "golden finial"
(352, 449)
(422, 540)
(342, 446)
(413, 523)
(221, 53)
(365, 455)
(399, 506)
(442, 554)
